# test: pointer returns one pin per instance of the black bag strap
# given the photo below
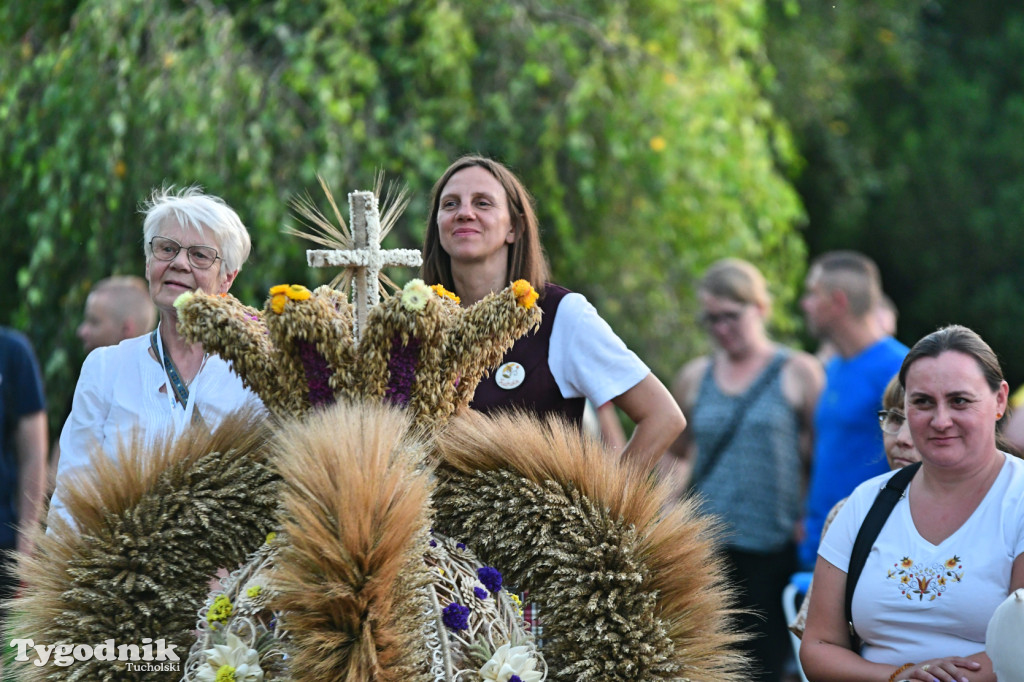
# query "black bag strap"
(895, 488)
(709, 459)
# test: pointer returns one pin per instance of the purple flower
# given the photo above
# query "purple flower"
(433, 543)
(490, 577)
(515, 678)
(480, 593)
(402, 368)
(455, 616)
(460, 545)
(318, 374)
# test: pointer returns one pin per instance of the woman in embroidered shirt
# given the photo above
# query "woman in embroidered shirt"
(157, 382)
(950, 551)
(750, 406)
(482, 234)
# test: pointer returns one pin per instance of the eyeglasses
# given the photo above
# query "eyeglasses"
(711, 319)
(891, 421)
(166, 249)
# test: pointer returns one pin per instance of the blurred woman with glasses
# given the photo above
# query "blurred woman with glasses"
(750, 406)
(899, 452)
(159, 383)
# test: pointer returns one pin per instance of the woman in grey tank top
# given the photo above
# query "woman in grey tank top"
(750, 407)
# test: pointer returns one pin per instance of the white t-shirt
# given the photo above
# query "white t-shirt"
(586, 357)
(915, 600)
(119, 388)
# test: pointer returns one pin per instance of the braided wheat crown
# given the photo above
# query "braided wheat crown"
(420, 349)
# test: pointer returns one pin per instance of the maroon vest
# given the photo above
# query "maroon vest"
(538, 393)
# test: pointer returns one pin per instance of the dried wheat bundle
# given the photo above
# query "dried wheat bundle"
(628, 582)
(151, 527)
(351, 580)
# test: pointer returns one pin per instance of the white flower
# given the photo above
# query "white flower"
(508, 661)
(236, 655)
(415, 294)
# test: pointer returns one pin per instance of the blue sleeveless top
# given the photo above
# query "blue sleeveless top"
(755, 486)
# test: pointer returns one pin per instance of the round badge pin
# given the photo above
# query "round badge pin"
(510, 375)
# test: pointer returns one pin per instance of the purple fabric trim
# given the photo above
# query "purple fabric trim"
(318, 374)
(402, 368)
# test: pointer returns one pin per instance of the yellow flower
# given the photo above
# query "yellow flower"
(220, 611)
(271, 536)
(444, 293)
(517, 603)
(658, 143)
(414, 295)
(254, 591)
(280, 293)
(525, 294)
(225, 673)
(297, 292)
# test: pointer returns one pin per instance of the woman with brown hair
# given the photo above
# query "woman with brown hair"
(949, 551)
(483, 234)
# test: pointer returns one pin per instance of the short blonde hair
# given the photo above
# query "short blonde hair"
(736, 280)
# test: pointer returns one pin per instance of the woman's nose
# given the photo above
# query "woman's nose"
(942, 416)
(180, 259)
(903, 437)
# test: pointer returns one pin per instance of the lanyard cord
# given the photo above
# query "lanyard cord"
(179, 387)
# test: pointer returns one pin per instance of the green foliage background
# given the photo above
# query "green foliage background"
(910, 119)
(643, 128)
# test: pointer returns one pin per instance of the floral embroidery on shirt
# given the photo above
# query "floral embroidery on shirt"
(931, 581)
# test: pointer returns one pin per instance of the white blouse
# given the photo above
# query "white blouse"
(123, 387)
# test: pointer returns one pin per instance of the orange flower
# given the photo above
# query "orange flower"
(441, 291)
(953, 562)
(906, 562)
(525, 294)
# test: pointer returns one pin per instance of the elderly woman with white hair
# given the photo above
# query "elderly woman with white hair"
(158, 383)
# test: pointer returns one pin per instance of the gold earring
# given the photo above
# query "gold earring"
(999, 415)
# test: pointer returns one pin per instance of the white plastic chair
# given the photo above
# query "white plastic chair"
(791, 595)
